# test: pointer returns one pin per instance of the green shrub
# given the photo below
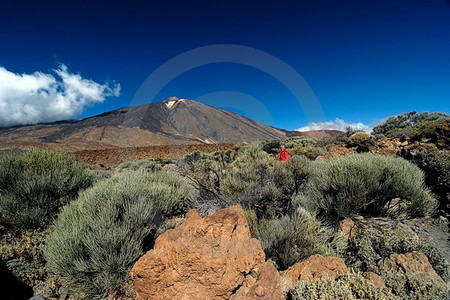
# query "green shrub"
(144, 164)
(310, 152)
(368, 184)
(350, 287)
(259, 182)
(435, 164)
(271, 147)
(380, 237)
(290, 239)
(411, 124)
(300, 142)
(36, 184)
(412, 287)
(96, 238)
(327, 141)
(363, 141)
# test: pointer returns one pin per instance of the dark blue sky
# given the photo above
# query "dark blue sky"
(364, 60)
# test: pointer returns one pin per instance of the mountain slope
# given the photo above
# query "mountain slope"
(169, 122)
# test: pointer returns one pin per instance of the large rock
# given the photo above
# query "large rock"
(207, 258)
(314, 268)
(413, 265)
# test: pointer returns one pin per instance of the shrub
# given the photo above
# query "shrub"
(36, 184)
(368, 184)
(144, 164)
(205, 172)
(327, 141)
(300, 142)
(271, 147)
(435, 164)
(361, 140)
(380, 237)
(258, 181)
(96, 238)
(310, 152)
(21, 252)
(293, 238)
(413, 287)
(351, 286)
(411, 124)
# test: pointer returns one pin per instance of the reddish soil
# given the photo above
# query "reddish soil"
(110, 158)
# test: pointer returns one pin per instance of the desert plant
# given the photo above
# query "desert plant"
(36, 184)
(361, 140)
(293, 238)
(144, 164)
(205, 172)
(413, 287)
(310, 152)
(411, 124)
(96, 238)
(350, 286)
(368, 184)
(300, 142)
(271, 146)
(22, 255)
(380, 237)
(258, 181)
(435, 164)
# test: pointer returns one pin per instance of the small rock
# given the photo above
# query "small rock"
(260, 291)
(37, 297)
(348, 227)
(374, 278)
(314, 268)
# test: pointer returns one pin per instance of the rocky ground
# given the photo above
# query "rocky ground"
(215, 257)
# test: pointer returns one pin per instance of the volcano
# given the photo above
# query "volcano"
(170, 122)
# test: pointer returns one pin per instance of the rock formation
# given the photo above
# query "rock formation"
(412, 264)
(207, 258)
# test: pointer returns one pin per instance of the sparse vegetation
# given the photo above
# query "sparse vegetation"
(412, 124)
(36, 184)
(107, 221)
(143, 164)
(96, 238)
(350, 286)
(259, 182)
(379, 238)
(295, 237)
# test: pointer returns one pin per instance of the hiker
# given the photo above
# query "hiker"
(284, 155)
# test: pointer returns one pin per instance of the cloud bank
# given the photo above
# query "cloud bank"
(39, 97)
(337, 124)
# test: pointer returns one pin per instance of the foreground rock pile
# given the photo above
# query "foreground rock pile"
(207, 258)
(215, 257)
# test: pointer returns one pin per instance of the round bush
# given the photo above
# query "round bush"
(96, 238)
(36, 184)
(371, 185)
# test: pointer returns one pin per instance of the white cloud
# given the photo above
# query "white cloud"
(337, 124)
(41, 97)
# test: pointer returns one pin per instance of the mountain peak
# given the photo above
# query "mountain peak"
(168, 122)
(171, 101)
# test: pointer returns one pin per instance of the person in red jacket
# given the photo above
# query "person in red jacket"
(284, 155)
